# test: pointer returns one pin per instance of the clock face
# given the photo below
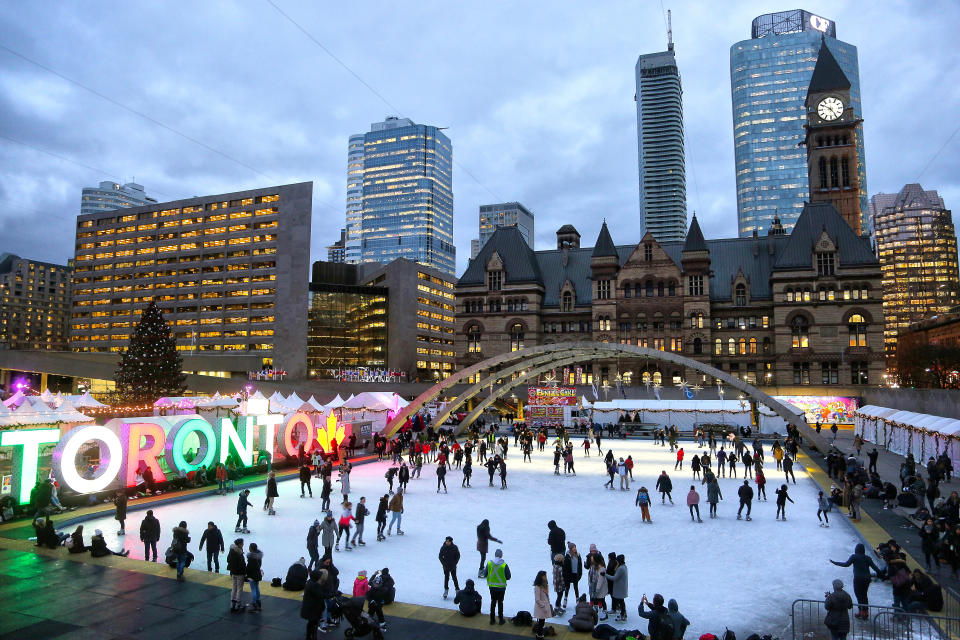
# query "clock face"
(830, 108)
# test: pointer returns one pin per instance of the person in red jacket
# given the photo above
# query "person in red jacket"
(629, 464)
(679, 464)
(761, 484)
(221, 479)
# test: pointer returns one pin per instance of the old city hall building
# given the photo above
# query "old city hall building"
(802, 308)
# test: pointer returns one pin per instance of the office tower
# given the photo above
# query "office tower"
(831, 141)
(769, 77)
(111, 195)
(507, 214)
(917, 247)
(663, 177)
(336, 252)
(406, 195)
(34, 304)
(229, 271)
(354, 224)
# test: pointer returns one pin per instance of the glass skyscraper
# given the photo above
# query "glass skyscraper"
(663, 178)
(506, 214)
(769, 76)
(405, 192)
(111, 195)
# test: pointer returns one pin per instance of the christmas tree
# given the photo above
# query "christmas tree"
(151, 367)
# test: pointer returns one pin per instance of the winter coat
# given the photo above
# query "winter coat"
(346, 516)
(837, 605)
(929, 538)
(396, 503)
(693, 497)
(403, 475)
(362, 512)
(584, 619)
(150, 529)
(787, 463)
(236, 564)
(328, 532)
(557, 539)
(664, 483)
(695, 463)
(862, 563)
(598, 586)
(713, 492)
(483, 538)
(272, 488)
(213, 539)
(313, 536)
(242, 504)
(296, 579)
(824, 504)
(325, 489)
(255, 565)
(181, 536)
(382, 511)
(120, 502)
(782, 497)
(312, 606)
(745, 492)
(680, 622)
(572, 568)
(620, 582)
(653, 615)
(360, 587)
(470, 601)
(345, 483)
(98, 547)
(541, 603)
(559, 584)
(305, 474)
(449, 556)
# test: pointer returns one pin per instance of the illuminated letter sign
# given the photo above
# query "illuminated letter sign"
(132, 433)
(65, 458)
(267, 437)
(820, 24)
(28, 443)
(290, 447)
(206, 450)
(240, 437)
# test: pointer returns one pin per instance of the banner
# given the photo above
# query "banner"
(544, 415)
(545, 396)
(823, 409)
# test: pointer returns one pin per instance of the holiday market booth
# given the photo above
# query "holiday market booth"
(685, 414)
(904, 432)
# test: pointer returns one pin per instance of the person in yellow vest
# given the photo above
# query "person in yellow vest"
(497, 575)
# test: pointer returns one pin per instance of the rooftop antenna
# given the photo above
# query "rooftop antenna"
(669, 31)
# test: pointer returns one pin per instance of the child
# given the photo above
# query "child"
(643, 501)
(558, 584)
(360, 585)
(761, 484)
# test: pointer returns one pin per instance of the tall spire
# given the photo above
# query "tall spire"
(827, 73)
(669, 31)
(604, 246)
(695, 241)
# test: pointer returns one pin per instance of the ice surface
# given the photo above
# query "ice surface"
(723, 573)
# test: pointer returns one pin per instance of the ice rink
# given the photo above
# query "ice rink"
(724, 572)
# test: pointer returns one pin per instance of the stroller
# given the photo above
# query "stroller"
(361, 622)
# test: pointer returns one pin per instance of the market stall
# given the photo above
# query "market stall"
(904, 432)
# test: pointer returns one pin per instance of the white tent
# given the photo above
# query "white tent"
(46, 396)
(373, 406)
(336, 403)
(904, 432)
(87, 401)
(258, 396)
(686, 414)
(16, 399)
(317, 407)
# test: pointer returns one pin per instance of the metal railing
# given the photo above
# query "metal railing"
(807, 616)
(951, 603)
(914, 626)
(882, 622)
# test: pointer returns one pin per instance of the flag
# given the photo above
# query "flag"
(689, 394)
(623, 393)
(596, 396)
(656, 391)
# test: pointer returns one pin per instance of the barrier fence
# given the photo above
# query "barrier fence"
(882, 622)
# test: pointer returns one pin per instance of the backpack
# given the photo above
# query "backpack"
(934, 598)
(522, 619)
(664, 628)
(604, 631)
(729, 635)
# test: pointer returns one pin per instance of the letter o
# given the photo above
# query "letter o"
(206, 451)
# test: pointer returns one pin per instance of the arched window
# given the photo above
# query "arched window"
(717, 346)
(696, 321)
(845, 171)
(657, 377)
(743, 346)
(566, 301)
(789, 294)
(800, 333)
(626, 291)
(766, 345)
(649, 288)
(473, 340)
(516, 337)
(740, 295)
(732, 346)
(753, 345)
(660, 289)
(645, 377)
(823, 172)
(672, 288)
(637, 290)
(857, 327)
(834, 173)
(697, 346)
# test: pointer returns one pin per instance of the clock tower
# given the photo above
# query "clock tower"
(831, 140)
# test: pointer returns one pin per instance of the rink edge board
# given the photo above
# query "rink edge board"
(436, 615)
(868, 529)
(82, 514)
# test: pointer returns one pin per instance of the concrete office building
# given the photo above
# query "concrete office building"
(403, 176)
(112, 195)
(507, 214)
(917, 247)
(769, 77)
(34, 304)
(228, 270)
(663, 173)
(336, 252)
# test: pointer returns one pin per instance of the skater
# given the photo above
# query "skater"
(390, 474)
(449, 556)
(396, 512)
(237, 566)
(559, 586)
(622, 472)
(732, 463)
(313, 545)
(527, 451)
(213, 538)
(557, 456)
(778, 455)
(693, 503)
(120, 514)
(747, 464)
(491, 466)
(328, 534)
(503, 474)
(837, 604)
(325, 491)
(862, 563)
(568, 458)
(382, 517)
(403, 476)
(305, 480)
(823, 507)
(679, 463)
(149, 535)
(442, 477)
(746, 498)
(695, 467)
(541, 603)
(483, 539)
(498, 573)
(346, 517)
(362, 512)
(467, 472)
(713, 495)
(572, 572)
(469, 600)
(255, 575)
(619, 591)
(181, 536)
(597, 585)
(788, 469)
(782, 499)
(761, 484)
(665, 487)
(629, 464)
(586, 447)
(242, 504)
(643, 501)
(344, 480)
(556, 540)
(272, 493)
(612, 472)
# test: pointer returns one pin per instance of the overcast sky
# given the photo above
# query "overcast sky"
(538, 98)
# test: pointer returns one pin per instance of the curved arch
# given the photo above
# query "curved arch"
(582, 351)
(852, 311)
(788, 321)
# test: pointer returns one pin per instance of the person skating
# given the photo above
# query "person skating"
(597, 583)
(328, 534)
(788, 470)
(612, 473)
(305, 480)
(622, 472)
(491, 464)
(761, 483)
(120, 511)
(469, 601)
(693, 503)
(359, 516)
(498, 573)
(255, 575)
(467, 472)
(381, 518)
(503, 474)
(824, 506)
(559, 585)
(344, 480)
(745, 492)
(325, 490)
(272, 493)
(346, 517)
(556, 539)
(541, 603)
(732, 464)
(390, 474)
(679, 463)
(665, 487)
(747, 464)
(861, 563)
(619, 590)
(721, 462)
(313, 545)
(449, 556)
(396, 512)
(213, 538)
(483, 541)
(714, 495)
(237, 566)
(643, 501)
(181, 536)
(149, 535)
(695, 467)
(782, 499)
(242, 504)
(403, 476)
(837, 603)
(572, 572)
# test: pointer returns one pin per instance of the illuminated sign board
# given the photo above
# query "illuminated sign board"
(823, 409)
(546, 396)
(127, 446)
(820, 24)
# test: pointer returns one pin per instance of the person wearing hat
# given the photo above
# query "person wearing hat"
(242, 504)
(214, 541)
(360, 585)
(98, 547)
(837, 604)
(237, 566)
(313, 545)
(469, 600)
(297, 576)
(498, 573)
(449, 556)
(181, 536)
(149, 535)
(328, 534)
